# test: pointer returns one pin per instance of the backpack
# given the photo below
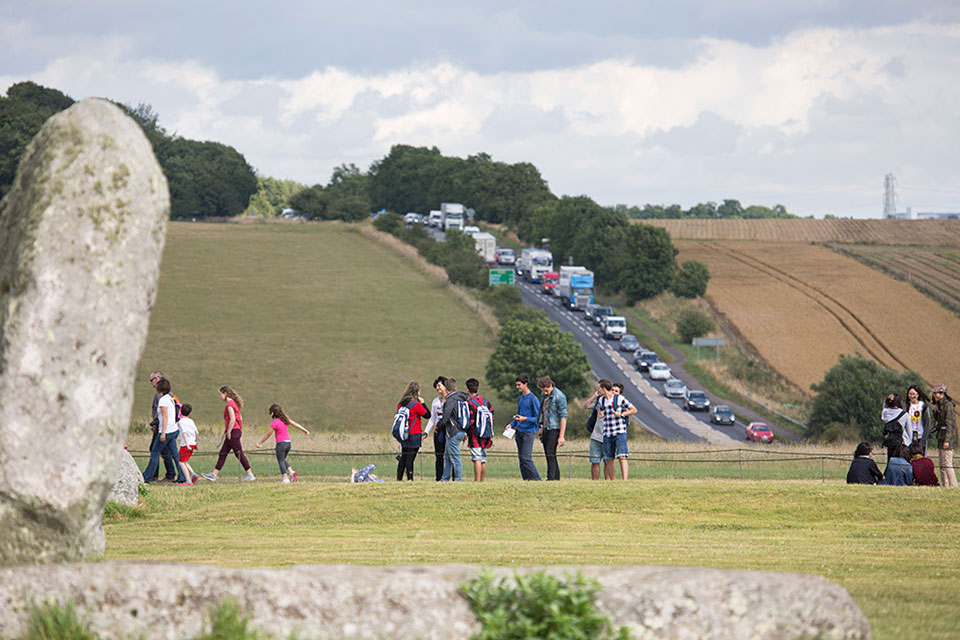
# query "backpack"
(462, 416)
(177, 409)
(401, 422)
(483, 427)
(592, 420)
(893, 431)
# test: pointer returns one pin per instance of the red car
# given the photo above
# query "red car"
(759, 432)
(549, 281)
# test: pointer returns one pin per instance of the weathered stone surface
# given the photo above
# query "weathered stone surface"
(169, 601)
(81, 235)
(128, 478)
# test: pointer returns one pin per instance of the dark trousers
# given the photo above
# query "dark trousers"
(407, 456)
(233, 444)
(439, 443)
(549, 439)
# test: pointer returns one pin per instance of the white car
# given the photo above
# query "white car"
(470, 230)
(674, 388)
(660, 371)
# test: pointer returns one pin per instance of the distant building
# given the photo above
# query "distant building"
(890, 205)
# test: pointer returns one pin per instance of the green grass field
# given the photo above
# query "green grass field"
(316, 317)
(895, 549)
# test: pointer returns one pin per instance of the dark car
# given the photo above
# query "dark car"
(696, 401)
(600, 313)
(629, 342)
(644, 359)
(722, 414)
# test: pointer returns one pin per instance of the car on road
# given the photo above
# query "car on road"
(614, 327)
(412, 218)
(696, 401)
(588, 311)
(629, 342)
(471, 229)
(643, 359)
(759, 432)
(506, 255)
(660, 371)
(674, 388)
(600, 313)
(722, 414)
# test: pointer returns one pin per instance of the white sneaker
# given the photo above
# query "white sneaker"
(249, 477)
(285, 480)
(209, 476)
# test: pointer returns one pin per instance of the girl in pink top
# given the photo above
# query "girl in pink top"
(280, 427)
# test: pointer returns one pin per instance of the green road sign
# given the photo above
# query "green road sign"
(501, 276)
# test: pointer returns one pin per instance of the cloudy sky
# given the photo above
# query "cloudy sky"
(807, 103)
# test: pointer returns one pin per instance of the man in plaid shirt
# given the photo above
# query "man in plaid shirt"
(614, 411)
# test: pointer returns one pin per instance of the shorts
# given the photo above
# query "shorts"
(615, 446)
(478, 454)
(596, 451)
(186, 452)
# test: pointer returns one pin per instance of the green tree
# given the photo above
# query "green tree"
(646, 262)
(537, 347)
(730, 209)
(692, 323)
(691, 279)
(311, 202)
(206, 179)
(23, 111)
(850, 396)
(272, 196)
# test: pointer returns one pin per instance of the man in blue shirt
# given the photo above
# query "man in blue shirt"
(525, 422)
(553, 424)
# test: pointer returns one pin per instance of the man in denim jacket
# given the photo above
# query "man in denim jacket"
(553, 424)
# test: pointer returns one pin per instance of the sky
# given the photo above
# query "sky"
(806, 104)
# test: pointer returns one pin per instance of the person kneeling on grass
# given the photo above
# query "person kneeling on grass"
(188, 444)
(364, 475)
(280, 427)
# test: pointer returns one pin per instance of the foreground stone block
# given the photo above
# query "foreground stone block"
(127, 479)
(81, 235)
(169, 601)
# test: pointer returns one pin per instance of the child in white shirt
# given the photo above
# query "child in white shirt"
(188, 444)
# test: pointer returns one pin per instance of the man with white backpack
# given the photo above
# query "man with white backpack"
(480, 437)
(456, 423)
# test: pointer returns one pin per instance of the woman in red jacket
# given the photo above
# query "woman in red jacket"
(409, 447)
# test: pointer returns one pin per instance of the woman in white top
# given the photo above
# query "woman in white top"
(168, 430)
(917, 426)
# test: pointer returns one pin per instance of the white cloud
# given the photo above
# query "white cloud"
(812, 119)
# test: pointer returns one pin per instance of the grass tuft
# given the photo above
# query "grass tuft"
(228, 622)
(51, 621)
(538, 605)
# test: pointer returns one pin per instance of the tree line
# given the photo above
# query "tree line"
(206, 179)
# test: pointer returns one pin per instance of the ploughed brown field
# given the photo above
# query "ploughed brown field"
(945, 233)
(801, 306)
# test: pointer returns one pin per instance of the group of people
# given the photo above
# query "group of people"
(175, 436)
(907, 428)
(542, 417)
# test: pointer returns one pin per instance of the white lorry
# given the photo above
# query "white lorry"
(452, 215)
(533, 263)
(575, 287)
(486, 244)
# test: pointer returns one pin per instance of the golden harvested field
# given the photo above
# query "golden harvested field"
(802, 306)
(934, 271)
(895, 232)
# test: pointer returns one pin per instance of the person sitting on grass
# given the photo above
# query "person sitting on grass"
(863, 469)
(899, 472)
(924, 473)
(364, 475)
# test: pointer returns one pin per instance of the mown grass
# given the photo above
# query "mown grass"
(895, 549)
(316, 317)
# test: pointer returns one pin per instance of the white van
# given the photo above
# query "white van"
(614, 326)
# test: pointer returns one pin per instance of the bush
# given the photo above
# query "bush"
(692, 323)
(390, 223)
(691, 280)
(539, 605)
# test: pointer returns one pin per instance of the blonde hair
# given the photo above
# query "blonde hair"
(233, 395)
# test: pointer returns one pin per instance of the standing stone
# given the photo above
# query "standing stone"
(81, 236)
(127, 479)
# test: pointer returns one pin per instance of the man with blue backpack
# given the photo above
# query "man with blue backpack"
(480, 437)
(456, 423)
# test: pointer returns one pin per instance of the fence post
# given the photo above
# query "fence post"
(740, 461)
(822, 476)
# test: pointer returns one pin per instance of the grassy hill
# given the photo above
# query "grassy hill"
(316, 317)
